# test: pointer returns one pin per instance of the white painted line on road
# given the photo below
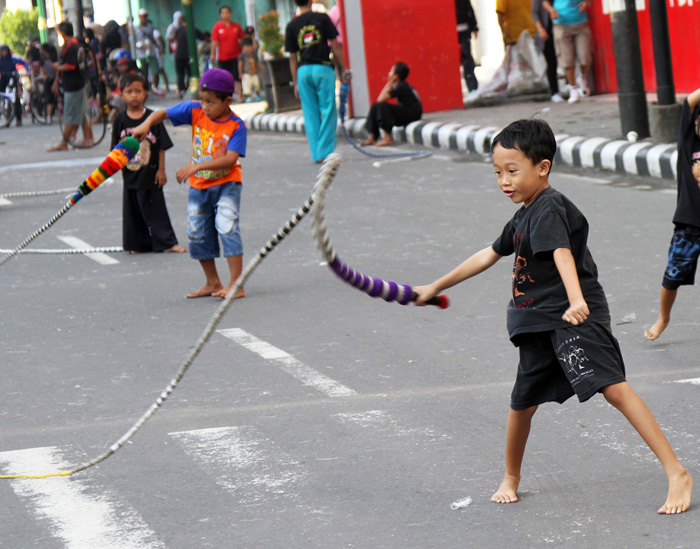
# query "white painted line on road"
(692, 381)
(70, 163)
(79, 519)
(243, 462)
(289, 364)
(99, 257)
(5, 201)
(381, 421)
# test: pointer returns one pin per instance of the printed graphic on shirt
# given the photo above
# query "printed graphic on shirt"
(574, 360)
(521, 275)
(696, 165)
(206, 147)
(143, 156)
(308, 36)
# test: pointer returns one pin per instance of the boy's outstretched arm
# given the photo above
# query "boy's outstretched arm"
(156, 117)
(578, 308)
(476, 264)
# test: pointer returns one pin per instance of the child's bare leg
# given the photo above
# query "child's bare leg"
(518, 430)
(680, 483)
(213, 283)
(235, 266)
(667, 299)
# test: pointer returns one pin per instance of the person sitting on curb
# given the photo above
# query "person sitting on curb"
(386, 115)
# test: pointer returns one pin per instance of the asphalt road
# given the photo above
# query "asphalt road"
(317, 416)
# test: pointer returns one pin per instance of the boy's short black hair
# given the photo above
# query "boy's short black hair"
(302, 3)
(131, 77)
(222, 8)
(246, 42)
(534, 138)
(219, 94)
(401, 70)
(66, 27)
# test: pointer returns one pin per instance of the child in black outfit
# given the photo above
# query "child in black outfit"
(558, 314)
(146, 223)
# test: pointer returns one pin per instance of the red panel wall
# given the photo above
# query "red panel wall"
(684, 31)
(421, 34)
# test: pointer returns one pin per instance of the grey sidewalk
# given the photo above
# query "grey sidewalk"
(588, 133)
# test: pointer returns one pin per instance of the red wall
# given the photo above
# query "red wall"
(684, 31)
(421, 34)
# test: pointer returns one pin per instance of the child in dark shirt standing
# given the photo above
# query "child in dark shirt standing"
(685, 244)
(558, 315)
(219, 139)
(146, 223)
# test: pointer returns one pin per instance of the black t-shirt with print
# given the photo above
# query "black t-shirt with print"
(688, 169)
(309, 34)
(406, 96)
(538, 298)
(140, 172)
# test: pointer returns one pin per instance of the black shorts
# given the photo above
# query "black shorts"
(555, 365)
(231, 65)
(682, 258)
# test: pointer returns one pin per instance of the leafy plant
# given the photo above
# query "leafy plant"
(270, 34)
(17, 26)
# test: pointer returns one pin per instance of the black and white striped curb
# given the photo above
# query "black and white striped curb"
(646, 159)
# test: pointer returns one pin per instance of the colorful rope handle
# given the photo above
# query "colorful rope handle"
(374, 287)
(115, 161)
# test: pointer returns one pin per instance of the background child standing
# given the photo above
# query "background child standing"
(214, 174)
(146, 223)
(249, 69)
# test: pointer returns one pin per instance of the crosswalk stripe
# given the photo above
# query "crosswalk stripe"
(81, 520)
(288, 363)
(243, 462)
(692, 381)
(99, 257)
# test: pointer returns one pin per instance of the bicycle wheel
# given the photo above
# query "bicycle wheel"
(7, 112)
(39, 105)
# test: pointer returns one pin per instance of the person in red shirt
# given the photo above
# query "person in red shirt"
(226, 36)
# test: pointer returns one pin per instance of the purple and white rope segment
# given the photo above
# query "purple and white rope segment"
(374, 287)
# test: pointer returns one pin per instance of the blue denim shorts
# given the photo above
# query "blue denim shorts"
(682, 258)
(212, 214)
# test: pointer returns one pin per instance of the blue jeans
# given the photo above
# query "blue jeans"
(212, 214)
(317, 93)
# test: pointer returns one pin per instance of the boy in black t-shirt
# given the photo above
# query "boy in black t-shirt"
(558, 315)
(385, 115)
(685, 244)
(146, 223)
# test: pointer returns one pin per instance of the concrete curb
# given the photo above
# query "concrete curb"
(644, 159)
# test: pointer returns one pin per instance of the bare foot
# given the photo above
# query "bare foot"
(175, 249)
(386, 141)
(367, 142)
(224, 292)
(134, 252)
(59, 147)
(507, 491)
(656, 330)
(205, 291)
(680, 489)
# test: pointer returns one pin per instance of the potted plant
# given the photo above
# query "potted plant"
(276, 74)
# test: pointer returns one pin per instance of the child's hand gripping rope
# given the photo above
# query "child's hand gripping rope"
(115, 161)
(374, 287)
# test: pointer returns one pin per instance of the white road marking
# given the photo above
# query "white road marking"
(381, 421)
(69, 163)
(99, 257)
(692, 381)
(289, 364)
(77, 515)
(5, 201)
(243, 463)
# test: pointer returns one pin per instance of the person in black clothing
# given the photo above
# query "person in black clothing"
(386, 115)
(684, 250)
(466, 26)
(146, 223)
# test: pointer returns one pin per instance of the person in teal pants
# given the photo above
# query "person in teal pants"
(310, 38)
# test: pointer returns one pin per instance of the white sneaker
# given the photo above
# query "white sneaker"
(556, 98)
(574, 95)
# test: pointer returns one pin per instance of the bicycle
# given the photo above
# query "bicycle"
(10, 103)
